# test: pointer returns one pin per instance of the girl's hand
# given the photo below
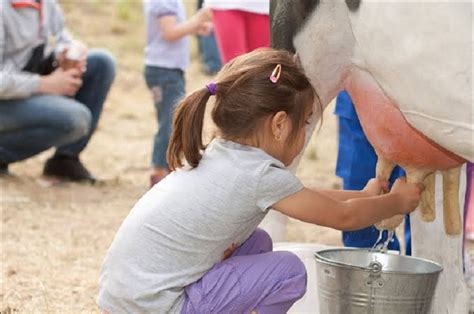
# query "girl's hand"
(408, 193)
(229, 251)
(375, 187)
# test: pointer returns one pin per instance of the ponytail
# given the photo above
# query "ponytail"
(186, 138)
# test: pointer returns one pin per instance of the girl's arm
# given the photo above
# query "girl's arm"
(172, 30)
(373, 188)
(317, 208)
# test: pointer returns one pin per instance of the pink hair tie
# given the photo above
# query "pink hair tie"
(275, 76)
(212, 88)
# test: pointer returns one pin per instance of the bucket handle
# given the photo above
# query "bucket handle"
(375, 267)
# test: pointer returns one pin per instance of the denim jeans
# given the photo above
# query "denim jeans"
(167, 87)
(209, 53)
(208, 50)
(32, 125)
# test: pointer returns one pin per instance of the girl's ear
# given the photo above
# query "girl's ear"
(278, 124)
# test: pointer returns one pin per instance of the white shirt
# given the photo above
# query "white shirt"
(253, 6)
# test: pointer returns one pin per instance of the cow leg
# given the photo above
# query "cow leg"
(451, 211)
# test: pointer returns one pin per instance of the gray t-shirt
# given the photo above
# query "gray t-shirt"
(179, 229)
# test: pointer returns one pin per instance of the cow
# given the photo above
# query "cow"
(408, 68)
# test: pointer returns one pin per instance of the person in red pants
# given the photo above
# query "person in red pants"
(240, 26)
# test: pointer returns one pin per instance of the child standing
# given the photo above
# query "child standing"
(166, 59)
(190, 245)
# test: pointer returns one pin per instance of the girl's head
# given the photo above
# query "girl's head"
(249, 108)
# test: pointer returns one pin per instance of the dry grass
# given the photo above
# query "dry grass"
(54, 238)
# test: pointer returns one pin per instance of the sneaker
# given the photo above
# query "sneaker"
(68, 168)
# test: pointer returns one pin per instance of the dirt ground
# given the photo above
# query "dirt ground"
(54, 237)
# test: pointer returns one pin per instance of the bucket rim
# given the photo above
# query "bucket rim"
(327, 261)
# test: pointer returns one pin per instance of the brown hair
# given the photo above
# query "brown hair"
(245, 95)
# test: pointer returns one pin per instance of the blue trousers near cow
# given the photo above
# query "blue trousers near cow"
(356, 163)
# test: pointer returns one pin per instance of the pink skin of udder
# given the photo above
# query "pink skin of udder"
(390, 134)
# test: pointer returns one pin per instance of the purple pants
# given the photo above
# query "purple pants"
(253, 278)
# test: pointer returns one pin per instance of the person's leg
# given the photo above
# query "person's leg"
(30, 126)
(209, 53)
(230, 33)
(208, 50)
(257, 29)
(97, 81)
(259, 242)
(167, 86)
(407, 229)
(266, 283)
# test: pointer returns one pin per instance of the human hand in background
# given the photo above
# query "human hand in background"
(201, 22)
(205, 29)
(61, 82)
(74, 56)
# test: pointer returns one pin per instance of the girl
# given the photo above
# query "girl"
(166, 59)
(190, 245)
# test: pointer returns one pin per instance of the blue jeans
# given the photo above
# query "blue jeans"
(32, 125)
(208, 50)
(167, 87)
(209, 53)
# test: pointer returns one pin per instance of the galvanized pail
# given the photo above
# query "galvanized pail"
(353, 281)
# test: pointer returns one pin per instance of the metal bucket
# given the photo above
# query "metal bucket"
(353, 281)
